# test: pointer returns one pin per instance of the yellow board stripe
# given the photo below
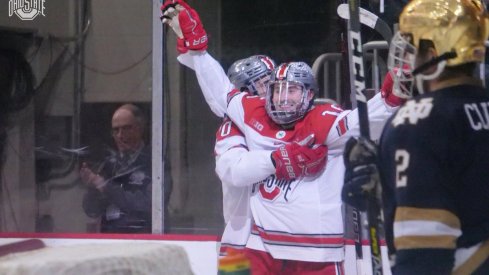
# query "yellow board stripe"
(417, 242)
(474, 261)
(438, 215)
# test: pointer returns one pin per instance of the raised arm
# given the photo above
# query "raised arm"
(213, 81)
(380, 108)
(192, 44)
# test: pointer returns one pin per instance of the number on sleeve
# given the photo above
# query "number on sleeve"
(226, 128)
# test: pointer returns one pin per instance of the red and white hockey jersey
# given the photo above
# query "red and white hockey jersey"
(230, 145)
(300, 219)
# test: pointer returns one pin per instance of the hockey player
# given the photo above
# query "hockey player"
(252, 74)
(248, 75)
(298, 226)
(433, 151)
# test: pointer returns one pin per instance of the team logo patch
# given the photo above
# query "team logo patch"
(272, 187)
(413, 111)
(257, 125)
(137, 178)
(280, 134)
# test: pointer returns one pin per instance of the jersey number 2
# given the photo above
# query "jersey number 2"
(402, 163)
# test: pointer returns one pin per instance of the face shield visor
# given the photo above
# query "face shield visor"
(259, 85)
(287, 101)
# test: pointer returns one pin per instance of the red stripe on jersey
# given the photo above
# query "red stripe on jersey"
(284, 238)
(342, 126)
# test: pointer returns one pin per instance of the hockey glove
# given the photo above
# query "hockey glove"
(298, 159)
(186, 24)
(361, 173)
(388, 94)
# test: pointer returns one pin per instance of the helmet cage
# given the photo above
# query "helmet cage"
(257, 83)
(246, 72)
(283, 104)
(401, 63)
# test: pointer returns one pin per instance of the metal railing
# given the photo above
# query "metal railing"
(327, 69)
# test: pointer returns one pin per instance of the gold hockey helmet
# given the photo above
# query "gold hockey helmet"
(460, 26)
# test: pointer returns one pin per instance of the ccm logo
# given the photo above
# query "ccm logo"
(287, 163)
(199, 41)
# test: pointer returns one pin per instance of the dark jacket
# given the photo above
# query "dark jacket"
(125, 202)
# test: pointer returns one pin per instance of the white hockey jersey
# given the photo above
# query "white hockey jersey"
(230, 145)
(300, 219)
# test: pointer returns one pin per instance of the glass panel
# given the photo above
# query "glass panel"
(69, 69)
(88, 58)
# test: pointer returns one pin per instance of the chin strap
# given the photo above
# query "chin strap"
(420, 78)
(434, 61)
(440, 62)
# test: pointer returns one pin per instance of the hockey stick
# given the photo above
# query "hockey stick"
(357, 81)
(369, 19)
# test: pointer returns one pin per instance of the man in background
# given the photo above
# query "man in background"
(119, 190)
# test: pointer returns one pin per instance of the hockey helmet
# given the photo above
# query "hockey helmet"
(458, 30)
(290, 92)
(251, 73)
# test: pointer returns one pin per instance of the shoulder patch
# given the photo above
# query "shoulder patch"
(413, 111)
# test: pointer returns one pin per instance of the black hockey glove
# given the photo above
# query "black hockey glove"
(361, 173)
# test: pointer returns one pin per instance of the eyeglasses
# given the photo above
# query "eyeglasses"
(123, 129)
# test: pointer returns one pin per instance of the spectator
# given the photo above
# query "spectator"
(119, 190)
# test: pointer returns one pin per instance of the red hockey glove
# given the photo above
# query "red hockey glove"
(181, 48)
(173, 4)
(387, 93)
(299, 159)
(193, 30)
(186, 23)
